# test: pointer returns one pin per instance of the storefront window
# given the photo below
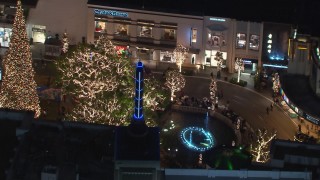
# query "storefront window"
(254, 42)
(39, 33)
(100, 26)
(166, 56)
(145, 31)
(194, 35)
(216, 39)
(211, 55)
(241, 41)
(121, 29)
(5, 35)
(169, 34)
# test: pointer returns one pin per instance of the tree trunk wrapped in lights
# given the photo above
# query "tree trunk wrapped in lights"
(239, 67)
(260, 149)
(102, 84)
(213, 90)
(18, 89)
(174, 81)
(218, 57)
(65, 43)
(179, 55)
(276, 83)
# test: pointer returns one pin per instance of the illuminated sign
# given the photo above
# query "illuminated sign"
(312, 119)
(110, 13)
(217, 19)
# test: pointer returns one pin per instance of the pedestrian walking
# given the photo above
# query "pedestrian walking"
(271, 107)
(267, 110)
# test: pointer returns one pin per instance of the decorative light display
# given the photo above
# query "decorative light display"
(179, 55)
(219, 58)
(65, 43)
(197, 139)
(102, 85)
(18, 89)
(138, 100)
(213, 91)
(174, 81)
(239, 66)
(276, 83)
(260, 151)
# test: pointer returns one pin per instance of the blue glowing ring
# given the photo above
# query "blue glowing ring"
(187, 139)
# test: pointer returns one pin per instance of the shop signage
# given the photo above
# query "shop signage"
(217, 19)
(110, 13)
(312, 119)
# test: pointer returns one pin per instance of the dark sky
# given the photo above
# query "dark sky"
(303, 13)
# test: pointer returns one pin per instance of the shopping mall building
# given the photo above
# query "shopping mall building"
(148, 35)
(151, 36)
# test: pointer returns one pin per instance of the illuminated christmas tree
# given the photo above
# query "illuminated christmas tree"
(174, 81)
(239, 66)
(179, 55)
(18, 89)
(65, 43)
(260, 149)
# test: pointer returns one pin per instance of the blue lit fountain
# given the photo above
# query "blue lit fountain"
(198, 138)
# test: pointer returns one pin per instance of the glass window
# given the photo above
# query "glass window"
(254, 42)
(100, 26)
(166, 56)
(216, 39)
(169, 34)
(241, 41)
(145, 31)
(194, 36)
(5, 35)
(121, 29)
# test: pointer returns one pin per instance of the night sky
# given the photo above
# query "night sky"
(301, 13)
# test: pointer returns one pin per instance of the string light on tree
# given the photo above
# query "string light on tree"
(219, 58)
(260, 149)
(18, 86)
(65, 43)
(213, 91)
(102, 85)
(239, 66)
(276, 83)
(179, 55)
(174, 81)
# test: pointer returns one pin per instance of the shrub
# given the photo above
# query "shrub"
(241, 83)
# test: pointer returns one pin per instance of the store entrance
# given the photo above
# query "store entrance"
(250, 65)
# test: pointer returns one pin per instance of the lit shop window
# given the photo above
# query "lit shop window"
(5, 35)
(166, 56)
(241, 41)
(145, 31)
(254, 42)
(121, 29)
(169, 34)
(216, 39)
(193, 35)
(100, 26)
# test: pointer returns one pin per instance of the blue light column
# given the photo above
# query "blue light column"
(138, 100)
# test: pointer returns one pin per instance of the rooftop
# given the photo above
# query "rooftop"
(86, 150)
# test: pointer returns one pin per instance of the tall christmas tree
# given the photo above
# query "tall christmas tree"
(18, 89)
